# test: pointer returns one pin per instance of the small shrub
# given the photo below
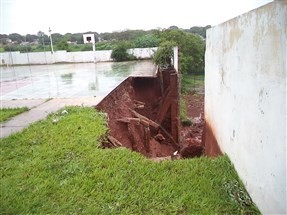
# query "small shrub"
(120, 53)
(86, 47)
(185, 121)
(106, 45)
(62, 45)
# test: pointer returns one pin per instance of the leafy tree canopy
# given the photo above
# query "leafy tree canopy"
(146, 41)
(62, 45)
(191, 47)
(164, 54)
(199, 30)
(16, 37)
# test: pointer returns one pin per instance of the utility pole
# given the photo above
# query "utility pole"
(52, 50)
(94, 51)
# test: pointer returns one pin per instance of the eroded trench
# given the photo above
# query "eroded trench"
(143, 115)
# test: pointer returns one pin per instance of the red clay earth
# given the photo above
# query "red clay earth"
(120, 103)
(191, 136)
(139, 114)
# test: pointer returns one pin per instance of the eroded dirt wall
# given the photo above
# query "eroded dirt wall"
(133, 110)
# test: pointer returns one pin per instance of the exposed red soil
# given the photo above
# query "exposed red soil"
(119, 105)
(142, 115)
(191, 136)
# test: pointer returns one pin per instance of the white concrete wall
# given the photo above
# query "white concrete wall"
(245, 101)
(142, 52)
(175, 59)
(18, 58)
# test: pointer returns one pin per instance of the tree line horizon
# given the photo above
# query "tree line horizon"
(106, 36)
(191, 43)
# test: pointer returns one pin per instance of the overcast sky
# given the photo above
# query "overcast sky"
(31, 16)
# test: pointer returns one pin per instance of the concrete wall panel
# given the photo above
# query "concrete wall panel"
(18, 58)
(245, 102)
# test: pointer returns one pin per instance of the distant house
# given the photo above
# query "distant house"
(35, 42)
(24, 43)
(5, 40)
(72, 43)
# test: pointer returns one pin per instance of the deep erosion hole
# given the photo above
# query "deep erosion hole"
(143, 115)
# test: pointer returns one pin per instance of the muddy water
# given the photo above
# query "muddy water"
(68, 80)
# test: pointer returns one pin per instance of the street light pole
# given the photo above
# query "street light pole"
(52, 50)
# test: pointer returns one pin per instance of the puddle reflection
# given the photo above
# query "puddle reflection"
(68, 80)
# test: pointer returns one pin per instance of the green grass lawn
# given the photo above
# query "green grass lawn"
(57, 166)
(7, 113)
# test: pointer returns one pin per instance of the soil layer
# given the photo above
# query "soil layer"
(191, 136)
(141, 96)
(142, 114)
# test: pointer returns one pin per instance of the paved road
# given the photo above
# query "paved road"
(39, 109)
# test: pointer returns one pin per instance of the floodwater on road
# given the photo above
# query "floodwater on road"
(68, 80)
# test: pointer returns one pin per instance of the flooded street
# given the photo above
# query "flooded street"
(68, 80)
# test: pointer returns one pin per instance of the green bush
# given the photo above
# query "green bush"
(185, 121)
(20, 48)
(106, 45)
(120, 53)
(62, 45)
(85, 47)
(164, 53)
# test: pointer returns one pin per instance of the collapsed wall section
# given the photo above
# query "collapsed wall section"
(143, 112)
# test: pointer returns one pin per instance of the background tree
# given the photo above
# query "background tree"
(173, 27)
(191, 47)
(146, 41)
(3, 39)
(62, 45)
(56, 37)
(164, 53)
(16, 37)
(199, 30)
(77, 37)
(31, 38)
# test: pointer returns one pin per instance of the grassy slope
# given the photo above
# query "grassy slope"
(59, 168)
(7, 113)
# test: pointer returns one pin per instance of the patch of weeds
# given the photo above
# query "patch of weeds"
(185, 121)
(237, 193)
(7, 113)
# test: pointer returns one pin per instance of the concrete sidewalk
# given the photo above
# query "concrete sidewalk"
(39, 109)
